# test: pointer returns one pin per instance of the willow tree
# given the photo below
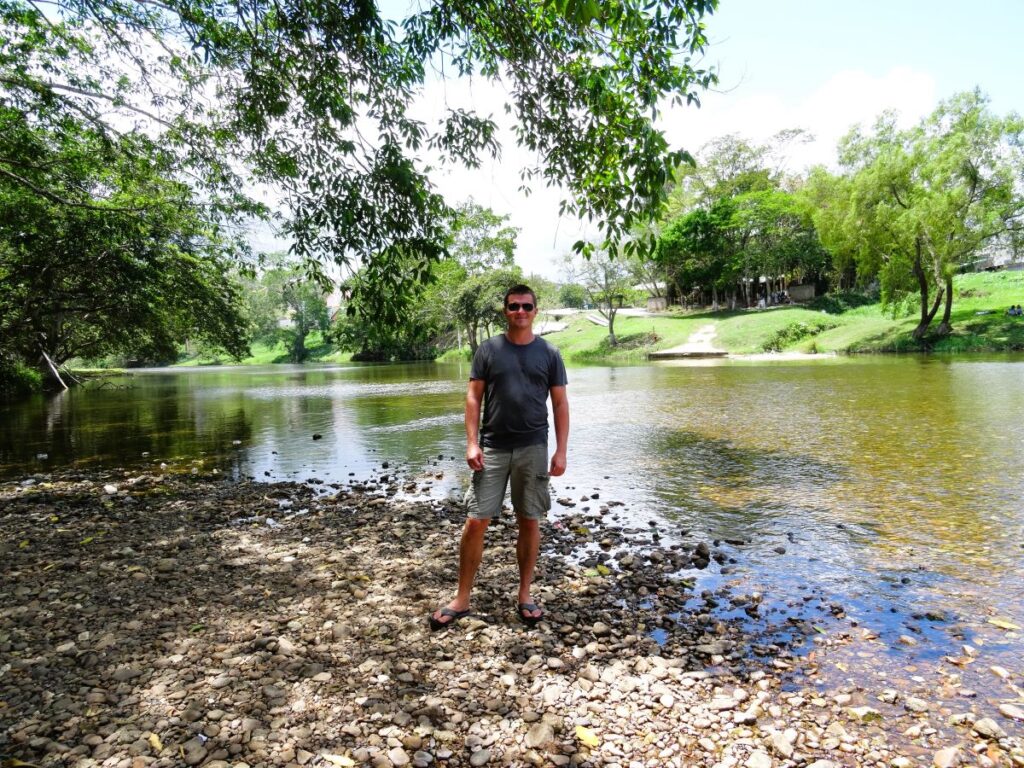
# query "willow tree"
(316, 100)
(924, 203)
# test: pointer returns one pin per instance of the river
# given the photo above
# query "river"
(890, 486)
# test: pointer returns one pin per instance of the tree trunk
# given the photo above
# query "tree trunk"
(946, 327)
(611, 326)
(51, 368)
(922, 281)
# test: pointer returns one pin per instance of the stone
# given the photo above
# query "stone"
(782, 742)
(1011, 711)
(988, 728)
(540, 733)
(946, 758)
(864, 714)
(398, 757)
(913, 704)
(758, 759)
(481, 757)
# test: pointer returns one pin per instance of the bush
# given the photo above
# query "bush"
(794, 332)
(837, 303)
(16, 378)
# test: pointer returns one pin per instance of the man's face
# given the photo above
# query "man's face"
(516, 312)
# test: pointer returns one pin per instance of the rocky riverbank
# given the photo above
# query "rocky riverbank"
(163, 620)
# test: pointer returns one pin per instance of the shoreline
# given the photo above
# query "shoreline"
(156, 620)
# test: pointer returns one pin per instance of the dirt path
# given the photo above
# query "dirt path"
(700, 344)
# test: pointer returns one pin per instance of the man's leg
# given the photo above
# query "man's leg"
(527, 548)
(471, 552)
(483, 502)
(531, 500)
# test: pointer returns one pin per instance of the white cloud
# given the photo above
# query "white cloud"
(845, 99)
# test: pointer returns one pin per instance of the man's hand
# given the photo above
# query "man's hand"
(558, 464)
(475, 457)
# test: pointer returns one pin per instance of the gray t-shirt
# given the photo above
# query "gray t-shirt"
(517, 378)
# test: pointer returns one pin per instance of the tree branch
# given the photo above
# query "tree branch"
(54, 198)
(54, 86)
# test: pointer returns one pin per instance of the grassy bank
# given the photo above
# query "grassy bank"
(320, 351)
(830, 324)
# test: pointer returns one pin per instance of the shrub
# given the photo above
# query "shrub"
(794, 332)
(837, 303)
(16, 378)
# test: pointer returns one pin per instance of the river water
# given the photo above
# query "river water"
(891, 486)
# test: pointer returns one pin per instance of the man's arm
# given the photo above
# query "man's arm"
(560, 409)
(474, 396)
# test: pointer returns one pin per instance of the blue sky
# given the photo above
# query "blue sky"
(793, 46)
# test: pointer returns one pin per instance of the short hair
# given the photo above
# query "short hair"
(519, 289)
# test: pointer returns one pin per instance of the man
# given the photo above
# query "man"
(513, 375)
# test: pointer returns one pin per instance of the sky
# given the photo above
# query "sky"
(819, 65)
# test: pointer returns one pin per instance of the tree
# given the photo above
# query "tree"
(572, 295)
(479, 303)
(692, 248)
(607, 281)
(737, 221)
(315, 99)
(115, 258)
(546, 290)
(924, 202)
(301, 301)
(480, 239)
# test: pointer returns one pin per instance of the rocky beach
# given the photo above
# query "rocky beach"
(156, 618)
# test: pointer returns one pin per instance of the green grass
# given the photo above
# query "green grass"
(835, 323)
(270, 354)
(583, 340)
(842, 323)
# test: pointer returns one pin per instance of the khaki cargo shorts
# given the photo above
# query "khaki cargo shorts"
(526, 468)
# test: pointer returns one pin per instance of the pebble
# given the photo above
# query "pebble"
(398, 757)
(1011, 711)
(913, 704)
(258, 645)
(988, 728)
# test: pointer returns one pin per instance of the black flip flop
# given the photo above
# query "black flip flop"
(524, 609)
(436, 624)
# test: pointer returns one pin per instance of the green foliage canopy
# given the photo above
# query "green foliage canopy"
(920, 204)
(316, 100)
(114, 258)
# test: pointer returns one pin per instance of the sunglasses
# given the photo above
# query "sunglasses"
(516, 306)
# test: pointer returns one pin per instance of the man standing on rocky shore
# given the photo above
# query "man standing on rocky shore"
(512, 375)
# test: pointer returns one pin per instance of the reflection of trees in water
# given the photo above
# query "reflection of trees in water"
(163, 420)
